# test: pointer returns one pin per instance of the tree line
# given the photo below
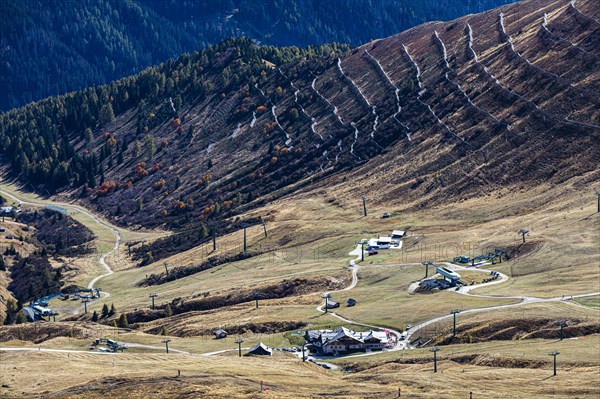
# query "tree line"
(52, 48)
(55, 143)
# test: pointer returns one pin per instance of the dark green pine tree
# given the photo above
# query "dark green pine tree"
(107, 114)
(123, 322)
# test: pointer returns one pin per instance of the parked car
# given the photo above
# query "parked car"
(408, 327)
(372, 252)
(386, 215)
(2, 229)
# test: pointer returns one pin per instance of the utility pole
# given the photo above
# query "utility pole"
(364, 206)
(523, 232)
(85, 302)
(153, 295)
(166, 268)
(562, 324)
(326, 297)
(453, 312)
(362, 251)
(598, 203)
(435, 351)
(244, 226)
(264, 224)
(214, 236)
(426, 264)
(239, 342)
(129, 244)
(166, 341)
(303, 357)
(555, 353)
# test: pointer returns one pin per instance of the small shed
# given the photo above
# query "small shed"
(397, 234)
(6, 209)
(260, 349)
(220, 333)
(331, 304)
(351, 302)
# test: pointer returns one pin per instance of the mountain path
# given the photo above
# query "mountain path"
(102, 260)
(465, 290)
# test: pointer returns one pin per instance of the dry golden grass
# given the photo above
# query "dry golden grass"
(143, 375)
(383, 299)
(315, 232)
(23, 248)
(591, 302)
(230, 318)
(5, 295)
(540, 320)
(245, 275)
(563, 220)
(457, 380)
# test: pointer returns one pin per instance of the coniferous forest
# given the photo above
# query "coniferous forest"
(50, 48)
(41, 140)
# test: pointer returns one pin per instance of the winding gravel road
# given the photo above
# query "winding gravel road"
(465, 290)
(353, 267)
(82, 210)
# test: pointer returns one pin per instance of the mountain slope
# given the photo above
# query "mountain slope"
(439, 113)
(52, 49)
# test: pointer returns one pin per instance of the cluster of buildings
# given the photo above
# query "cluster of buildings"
(386, 242)
(342, 339)
(332, 342)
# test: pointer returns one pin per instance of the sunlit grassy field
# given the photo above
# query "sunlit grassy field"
(310, 237)
(382, 298)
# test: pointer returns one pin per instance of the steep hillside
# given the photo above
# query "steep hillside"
(443, 112)
(48, 49)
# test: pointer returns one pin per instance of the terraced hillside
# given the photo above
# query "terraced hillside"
(444, 110)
